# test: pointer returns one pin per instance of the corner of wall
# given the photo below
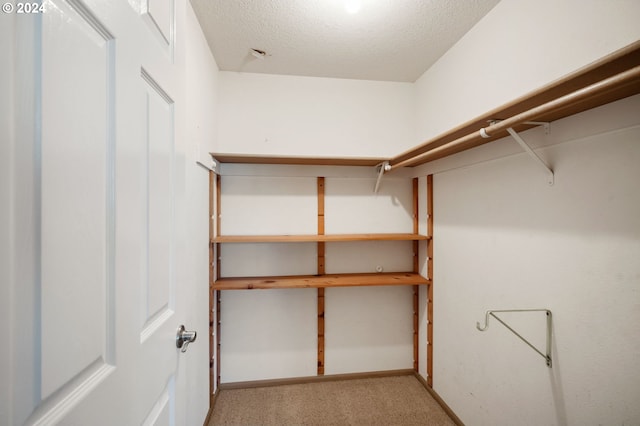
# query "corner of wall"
(518, 46)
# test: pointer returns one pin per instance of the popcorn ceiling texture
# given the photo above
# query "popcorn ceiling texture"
(389, 40)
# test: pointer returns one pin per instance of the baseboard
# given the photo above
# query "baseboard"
(439, 400)
(314, 379)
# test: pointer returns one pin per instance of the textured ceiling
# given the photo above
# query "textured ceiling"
(392, 40)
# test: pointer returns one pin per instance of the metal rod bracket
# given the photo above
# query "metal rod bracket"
(382, 167)
(545, 124)
(532, 154)
(547, 354)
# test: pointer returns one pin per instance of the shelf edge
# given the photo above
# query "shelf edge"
(317, 238)
(320, 281)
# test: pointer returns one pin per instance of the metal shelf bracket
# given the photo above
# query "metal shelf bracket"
(382, 167)
(545, 124)
(547, 355)
(532, 154)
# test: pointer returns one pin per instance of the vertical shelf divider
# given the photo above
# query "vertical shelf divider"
(212, 273)
(430, 277)
(416, 269)
(218, 230)
(321, 271)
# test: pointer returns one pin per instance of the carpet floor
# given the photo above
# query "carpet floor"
(398, 400)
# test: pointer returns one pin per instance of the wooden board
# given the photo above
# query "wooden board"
(320, 271)
(316, 238)
(416, 327)
(213, 271)
(416, 270)
(216, 260)
(320, 369)
(320, 281)
(292, 160)
(430, 276)
(218, 329)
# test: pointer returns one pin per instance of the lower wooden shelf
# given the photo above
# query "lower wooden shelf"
(316, 238)
(320, 281)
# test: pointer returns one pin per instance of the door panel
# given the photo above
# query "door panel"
(22, 229)
(94, 201)
(158, 287)
(159, 16)
(161, 13)
(161, 412)
(77, 205)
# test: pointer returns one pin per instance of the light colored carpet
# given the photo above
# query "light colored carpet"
(398, 400)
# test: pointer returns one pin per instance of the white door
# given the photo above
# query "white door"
(92, 216)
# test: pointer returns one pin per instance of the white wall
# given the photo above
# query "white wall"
(289, 115)
(201, 72)
(518, 46)
(498, 220)
(494, 218)
(270, 334)
(504, 239)
(202, 80)
(267, 334)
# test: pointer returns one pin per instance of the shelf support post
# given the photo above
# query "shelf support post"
(431, 279)
(416, 270)
(320, 271)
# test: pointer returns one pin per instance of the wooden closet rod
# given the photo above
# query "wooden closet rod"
(614, 83)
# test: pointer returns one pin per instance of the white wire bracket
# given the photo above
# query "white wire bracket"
(547, 355)
(547, 128)
(382, 167)
(211, 168)
(532, 154)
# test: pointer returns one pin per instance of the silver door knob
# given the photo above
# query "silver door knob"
(184, 337)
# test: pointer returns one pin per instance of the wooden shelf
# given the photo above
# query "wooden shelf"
(316, 238)
(293, 160)
(320, 281)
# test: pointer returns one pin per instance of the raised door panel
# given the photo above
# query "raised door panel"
(158, 284)
(160, 18)
(162, 411)
(161, 11)
(77, 204)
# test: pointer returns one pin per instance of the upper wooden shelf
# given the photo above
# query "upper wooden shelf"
(291, 160)
(316, 238)
(320, 281)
